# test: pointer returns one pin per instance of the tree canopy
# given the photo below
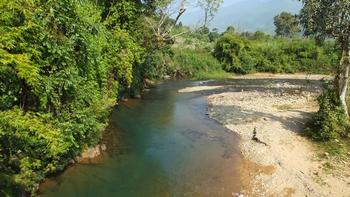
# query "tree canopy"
(331, 19)
(210, 7)
(286, 24)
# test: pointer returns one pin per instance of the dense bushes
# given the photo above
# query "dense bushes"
(62, 65)
(198, 64)
(31, 145)
(330, 122)
(278, 55)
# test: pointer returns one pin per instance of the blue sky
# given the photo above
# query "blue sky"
(246, 15)
(224, 4)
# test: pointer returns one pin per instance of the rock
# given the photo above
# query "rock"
(89, 153)
(137, 96)
(103, 147)
(149, 83)
(239, 194)
(72, 161)
(326, 154)
(167, 77)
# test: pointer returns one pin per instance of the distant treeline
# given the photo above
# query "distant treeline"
(250, 52)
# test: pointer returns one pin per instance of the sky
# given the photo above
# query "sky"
(246, 15)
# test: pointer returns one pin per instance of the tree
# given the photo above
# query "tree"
(230, 30)
(259, 35)
(213, 35)
(164, 10)
(203, 30)
(286, 24)
(331, 19)
(210, 7)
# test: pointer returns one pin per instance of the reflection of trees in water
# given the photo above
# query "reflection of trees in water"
(166, 115)
(160, 106)
(112, 138)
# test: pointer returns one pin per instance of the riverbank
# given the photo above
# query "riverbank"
(278, 106)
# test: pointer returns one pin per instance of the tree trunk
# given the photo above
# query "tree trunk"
(344, 79)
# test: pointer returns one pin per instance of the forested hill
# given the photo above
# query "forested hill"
(245, 15)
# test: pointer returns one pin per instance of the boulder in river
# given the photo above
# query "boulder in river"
(90, 155)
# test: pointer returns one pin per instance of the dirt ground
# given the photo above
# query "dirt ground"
(282, 162)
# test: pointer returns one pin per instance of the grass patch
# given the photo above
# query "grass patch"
(338, 148)
(217, 74)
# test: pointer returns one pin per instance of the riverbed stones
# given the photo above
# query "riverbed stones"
(90, 154)
(282, 130)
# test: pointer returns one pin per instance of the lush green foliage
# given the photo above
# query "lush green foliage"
(330, 19)
(192, 56)
(286, 24)
(198, 64)
(321, 20)
(248, 53)
(330, 121)
(62, 66)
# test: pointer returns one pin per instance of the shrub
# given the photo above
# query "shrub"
(330, 121)
(195, 64)
(246, 54)
(30, 147)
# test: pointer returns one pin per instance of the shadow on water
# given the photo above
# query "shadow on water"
(162, 145)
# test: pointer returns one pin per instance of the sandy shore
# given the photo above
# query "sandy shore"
(278, 106)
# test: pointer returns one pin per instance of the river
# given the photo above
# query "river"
(161, 145)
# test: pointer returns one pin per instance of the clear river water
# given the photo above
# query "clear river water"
(161, 145)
